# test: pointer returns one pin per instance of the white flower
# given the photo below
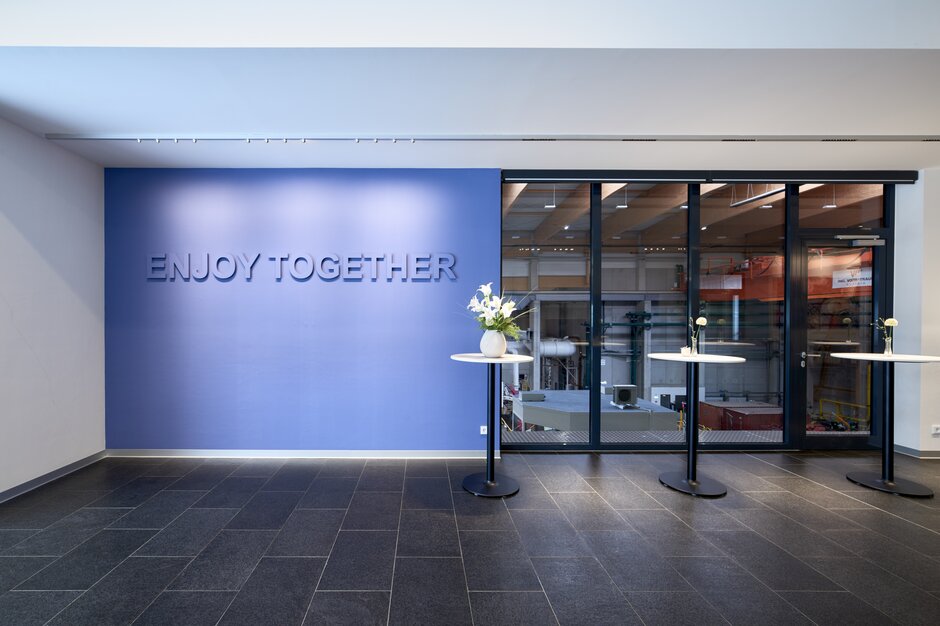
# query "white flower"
(474, 304)
(508, 308)
(496, 303)
(486, 289)
(701, 322)
(891, 322)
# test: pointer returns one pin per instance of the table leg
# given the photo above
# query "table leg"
(488, 484)
(690, 482)
(886, 481)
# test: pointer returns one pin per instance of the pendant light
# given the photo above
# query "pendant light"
(552, 205)
(833, 205)
(624, 205)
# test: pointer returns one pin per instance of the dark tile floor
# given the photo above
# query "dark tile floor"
(589, 540)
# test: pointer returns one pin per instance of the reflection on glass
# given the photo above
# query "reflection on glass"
(546, 269)
(742, 296)
(839, 318)
(644, 296)
(841, 206)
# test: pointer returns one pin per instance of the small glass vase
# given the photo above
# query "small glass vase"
(694, 349)
(889, 348)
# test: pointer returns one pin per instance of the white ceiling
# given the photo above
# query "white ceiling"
(473, 106)
(614, 24)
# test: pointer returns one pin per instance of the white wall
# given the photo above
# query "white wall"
(917, 308)
(51, 307)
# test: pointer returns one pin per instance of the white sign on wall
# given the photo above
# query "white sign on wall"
(856, 277)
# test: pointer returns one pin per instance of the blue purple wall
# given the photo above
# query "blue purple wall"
(346, 363)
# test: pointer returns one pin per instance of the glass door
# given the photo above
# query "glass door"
(836, 399)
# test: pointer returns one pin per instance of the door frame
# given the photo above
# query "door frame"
(797, 310)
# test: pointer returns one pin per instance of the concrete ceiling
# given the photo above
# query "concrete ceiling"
(480, 105)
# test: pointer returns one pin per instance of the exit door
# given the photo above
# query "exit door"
(835, 402)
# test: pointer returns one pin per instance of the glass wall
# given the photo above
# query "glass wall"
(546, 270)
(742, 279)
(644, 258)
(741, 286)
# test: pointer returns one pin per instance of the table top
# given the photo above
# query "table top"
(696, 358)
(881, 356)
(477, 357)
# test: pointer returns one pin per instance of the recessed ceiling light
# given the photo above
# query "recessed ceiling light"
(721, 237)
(766, 206)
(566, 227)
(515, 236)
(684, 206)
(569, 236)
(704, 227)
(616, 237)
(676, 237)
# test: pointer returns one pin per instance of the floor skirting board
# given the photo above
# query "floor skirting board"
(39, 481)
(917, 454)
(305, 454)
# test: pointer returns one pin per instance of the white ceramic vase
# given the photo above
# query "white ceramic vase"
(493, 344)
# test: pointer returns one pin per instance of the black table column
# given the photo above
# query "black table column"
(691, 483)
(488, 484)
(887, 482)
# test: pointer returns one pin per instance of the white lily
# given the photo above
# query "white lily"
(891, 322)
(486, 289)
(508, 308)
(474, 304)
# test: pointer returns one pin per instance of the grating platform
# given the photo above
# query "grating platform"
(652, 437)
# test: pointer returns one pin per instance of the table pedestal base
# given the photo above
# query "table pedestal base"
(703, 487)
(899, 486)
(478, 485)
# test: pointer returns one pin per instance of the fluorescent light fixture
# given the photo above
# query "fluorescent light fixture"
(515, 236)
(684, 206)
(759, 196)
(616, 237)
(766, 206)
(830, 206)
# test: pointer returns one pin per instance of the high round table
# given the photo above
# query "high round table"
(690, 482)
(488, 484)
(886, 481)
